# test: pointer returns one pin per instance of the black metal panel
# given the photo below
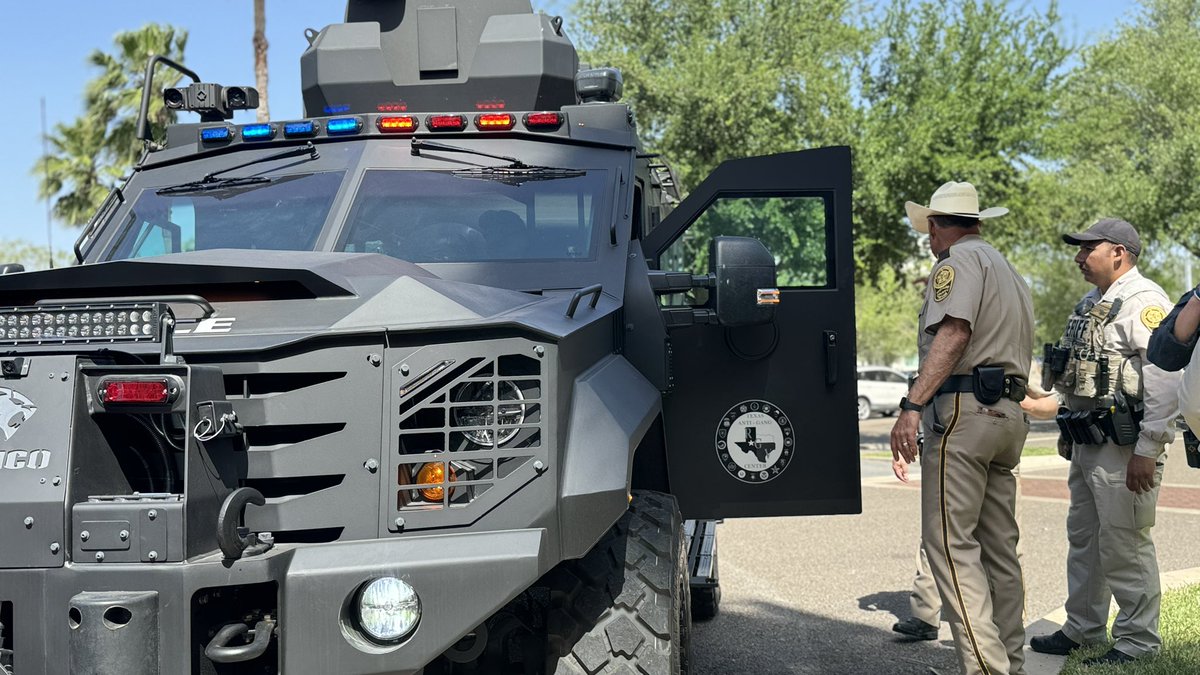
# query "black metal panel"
(781, 367)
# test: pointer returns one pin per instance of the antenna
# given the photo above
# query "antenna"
(45, 160)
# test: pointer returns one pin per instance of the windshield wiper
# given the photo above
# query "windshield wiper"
(515, 173)
(211, 182)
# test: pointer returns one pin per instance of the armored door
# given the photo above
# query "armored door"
(761, 420)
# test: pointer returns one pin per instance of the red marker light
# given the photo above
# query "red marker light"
(399, 106)
(495, 122)
(397, 125)
(490, 105)
(446, 122)
(543, 121)
(145, 392)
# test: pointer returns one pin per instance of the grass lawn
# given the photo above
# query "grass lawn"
(1180, 625)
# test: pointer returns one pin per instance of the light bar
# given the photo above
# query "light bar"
(215, 134)
(342, 126)
(543, 121)
(335, 109)
(64, 324)
(495, 122)
(496, 104)
(397, 124)
(446, 122)
(392, 107)
(135, 392)
(305, 129)
(258, 132)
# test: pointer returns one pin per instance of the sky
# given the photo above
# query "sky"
(44, 54)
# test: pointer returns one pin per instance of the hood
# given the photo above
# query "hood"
(264, 299)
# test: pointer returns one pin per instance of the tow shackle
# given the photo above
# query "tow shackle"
(219, 651)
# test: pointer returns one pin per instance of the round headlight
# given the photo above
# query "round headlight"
(510, 414)
(388, 609)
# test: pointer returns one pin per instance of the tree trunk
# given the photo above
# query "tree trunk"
(260, 60)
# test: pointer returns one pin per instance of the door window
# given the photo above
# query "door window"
(794, 228)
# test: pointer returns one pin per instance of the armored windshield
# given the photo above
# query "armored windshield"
(437, 217)
(284, 213)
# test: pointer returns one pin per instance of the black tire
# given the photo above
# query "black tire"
(625, 607)
(706, 603)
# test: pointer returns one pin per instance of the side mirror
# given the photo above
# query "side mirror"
(11, 268)
(746, 293)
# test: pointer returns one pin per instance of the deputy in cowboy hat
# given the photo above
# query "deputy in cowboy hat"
(975, 344)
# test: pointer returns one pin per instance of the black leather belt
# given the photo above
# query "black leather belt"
(1014, 387)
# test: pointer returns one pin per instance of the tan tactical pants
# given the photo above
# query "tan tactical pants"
(924, 602)
(1111, 553)
(969, 527)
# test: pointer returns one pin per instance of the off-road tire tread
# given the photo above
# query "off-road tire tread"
(616, 611)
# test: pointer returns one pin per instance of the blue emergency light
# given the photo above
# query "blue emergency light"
(215, 134)
(258, 132)
(343, 125)
(303, 129)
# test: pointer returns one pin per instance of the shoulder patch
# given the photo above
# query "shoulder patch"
(1152, 316)
(943, 282)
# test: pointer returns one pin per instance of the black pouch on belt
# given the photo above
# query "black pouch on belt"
(988, 383)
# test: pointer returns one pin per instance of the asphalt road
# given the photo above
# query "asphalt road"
(819, 595)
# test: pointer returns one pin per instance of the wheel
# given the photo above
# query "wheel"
(625, 607)
(864, 408)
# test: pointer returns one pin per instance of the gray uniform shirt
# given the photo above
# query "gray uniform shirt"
(973, 282)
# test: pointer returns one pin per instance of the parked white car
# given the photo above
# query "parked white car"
(880, 390)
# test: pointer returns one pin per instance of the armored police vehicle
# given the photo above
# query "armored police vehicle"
(427, 381)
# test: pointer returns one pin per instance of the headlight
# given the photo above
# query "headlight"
(388, 610)
(510, 414)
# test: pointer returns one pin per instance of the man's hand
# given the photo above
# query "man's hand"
(1044, 408)
(1139, 475)
(904, 436)
(900, 468)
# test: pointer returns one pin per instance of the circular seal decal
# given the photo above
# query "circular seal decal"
(755, 441)
(1152, 316)
(943, 282)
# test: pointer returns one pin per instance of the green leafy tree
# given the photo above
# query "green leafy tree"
(885, 315)
(1127, 139)
(32, 256)
(89, 155)
(952, 91)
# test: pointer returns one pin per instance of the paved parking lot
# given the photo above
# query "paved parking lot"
(819, 595)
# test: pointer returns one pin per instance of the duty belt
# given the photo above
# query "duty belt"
(1014, 387)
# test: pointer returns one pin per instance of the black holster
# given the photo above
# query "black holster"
(988, 384)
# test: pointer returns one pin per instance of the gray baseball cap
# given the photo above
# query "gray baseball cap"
(1114, 230)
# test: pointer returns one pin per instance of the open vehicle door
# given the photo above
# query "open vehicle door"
(761, 419)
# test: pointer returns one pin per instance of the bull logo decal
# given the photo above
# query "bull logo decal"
(14, 410)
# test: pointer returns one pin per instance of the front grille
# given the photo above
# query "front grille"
(470, 429)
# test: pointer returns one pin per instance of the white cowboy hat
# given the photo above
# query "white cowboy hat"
(952, 199)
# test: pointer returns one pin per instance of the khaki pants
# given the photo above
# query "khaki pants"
(969, 527)
(1111, 553)
(924, 602)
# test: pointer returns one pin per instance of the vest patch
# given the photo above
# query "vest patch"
(943, 282)
(1152, 316)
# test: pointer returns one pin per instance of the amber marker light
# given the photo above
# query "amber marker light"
(397, 124)
(434, 472)
(495, 122)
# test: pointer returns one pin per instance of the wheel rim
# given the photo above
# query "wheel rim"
(864, 409)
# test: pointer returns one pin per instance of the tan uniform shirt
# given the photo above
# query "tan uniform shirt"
(1143, 306)
(973, 282)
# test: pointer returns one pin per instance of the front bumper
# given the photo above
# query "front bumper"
(461, 578)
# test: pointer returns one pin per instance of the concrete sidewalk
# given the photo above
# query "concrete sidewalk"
(1045, 664)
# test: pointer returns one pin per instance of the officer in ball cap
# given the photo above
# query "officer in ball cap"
(975, 345)
(1118, 411)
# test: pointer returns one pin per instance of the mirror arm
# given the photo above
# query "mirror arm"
(682, 317)
(666, 283)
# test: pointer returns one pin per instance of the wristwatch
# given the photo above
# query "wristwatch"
(906, 404)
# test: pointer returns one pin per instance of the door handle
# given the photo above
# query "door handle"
(831, 370)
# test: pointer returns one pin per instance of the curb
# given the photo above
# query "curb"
(1047, 664)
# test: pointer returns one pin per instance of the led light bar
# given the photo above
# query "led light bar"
(215, 134)
(343, 126)
(305, 129)
(135, 392)
(495, 122)
(397, 124)
(85, 324)
(335, 109)
(446, 122)
(543, 121)
(258, 132)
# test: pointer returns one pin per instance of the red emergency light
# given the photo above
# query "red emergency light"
(495, 122)
(135, 392)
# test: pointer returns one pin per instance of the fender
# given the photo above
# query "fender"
(612, 408)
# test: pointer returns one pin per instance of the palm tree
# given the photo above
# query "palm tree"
(88, 156)
(260, 59)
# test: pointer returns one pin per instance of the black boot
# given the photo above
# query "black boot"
(916, 629)
(1055, 643)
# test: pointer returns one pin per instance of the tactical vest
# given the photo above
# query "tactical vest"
(1085, 363)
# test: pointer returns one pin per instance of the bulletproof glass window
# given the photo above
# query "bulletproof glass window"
(443, 217)
(794, 228)
(285, 214)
